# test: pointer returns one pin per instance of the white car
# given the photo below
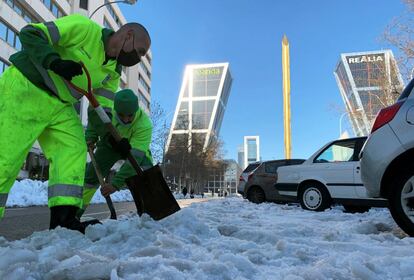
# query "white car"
(331, 175)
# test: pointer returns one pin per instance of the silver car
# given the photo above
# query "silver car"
(387, 159)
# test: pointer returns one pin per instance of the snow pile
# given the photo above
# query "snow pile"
(29, 192)
(219, 239)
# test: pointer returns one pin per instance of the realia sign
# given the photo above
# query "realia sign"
(365, 59)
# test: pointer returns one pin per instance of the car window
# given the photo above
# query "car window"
(251, 167)
(271, 167)
(337, 152)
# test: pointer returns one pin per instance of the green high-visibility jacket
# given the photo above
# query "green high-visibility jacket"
(73, 37)
(138, 133)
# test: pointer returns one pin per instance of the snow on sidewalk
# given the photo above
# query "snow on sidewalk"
(219, 239)
(30, 192)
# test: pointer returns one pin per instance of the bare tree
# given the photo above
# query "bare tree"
(192, 163)
(159, 131)
(400, 34)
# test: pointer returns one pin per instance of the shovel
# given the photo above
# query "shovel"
(102, 182)
(148, 188)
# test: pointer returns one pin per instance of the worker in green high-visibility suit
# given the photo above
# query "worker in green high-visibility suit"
(135, 128)
(36, 102)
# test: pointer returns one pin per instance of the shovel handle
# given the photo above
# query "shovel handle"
(102, 182)
(104, 117)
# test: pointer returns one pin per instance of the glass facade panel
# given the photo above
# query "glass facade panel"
(144, 83)
(218, 118)
(19, 9)
(9, 35)
(185, 94)
(201, 114)
(182, 117)
(198, 139)
(206, 81)
(367, 70)
(143, 100)
(106, 24)
(54, 8)
(3, 65)
(146, 71)
(3, 31)
(178, 141)
(113, 13)
(251, 150)
(226, 88)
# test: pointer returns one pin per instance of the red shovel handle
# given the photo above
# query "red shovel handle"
(89, 92)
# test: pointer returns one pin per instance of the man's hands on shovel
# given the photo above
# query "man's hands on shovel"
(107, 189)
(122, 147)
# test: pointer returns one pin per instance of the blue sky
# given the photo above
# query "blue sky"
(248, 35)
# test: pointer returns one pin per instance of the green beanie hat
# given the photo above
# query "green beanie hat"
(126, 102)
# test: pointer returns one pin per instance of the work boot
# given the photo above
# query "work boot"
(65, 216)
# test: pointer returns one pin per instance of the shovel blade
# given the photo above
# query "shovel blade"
(151, 194)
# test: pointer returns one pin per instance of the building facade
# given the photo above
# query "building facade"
(201, 104)
(251, 150)
(368, 82)
(15, 14)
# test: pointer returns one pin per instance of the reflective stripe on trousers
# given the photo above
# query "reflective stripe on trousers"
(65, 190)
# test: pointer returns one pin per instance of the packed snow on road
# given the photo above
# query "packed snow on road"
(32, 193)
(227, 238)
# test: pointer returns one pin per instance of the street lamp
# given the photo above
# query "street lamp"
(129, 2)
(340, 123)
(342, 116)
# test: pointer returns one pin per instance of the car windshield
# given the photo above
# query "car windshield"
(407, 91)
(251, 167)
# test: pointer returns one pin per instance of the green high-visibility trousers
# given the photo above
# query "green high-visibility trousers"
(27, 114)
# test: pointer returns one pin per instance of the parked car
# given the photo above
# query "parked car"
(257, 180)
(331, 175)
(387, 159)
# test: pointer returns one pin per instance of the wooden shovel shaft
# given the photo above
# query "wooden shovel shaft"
(102, 182)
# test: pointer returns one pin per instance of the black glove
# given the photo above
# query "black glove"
(66, 68)
(122, 147)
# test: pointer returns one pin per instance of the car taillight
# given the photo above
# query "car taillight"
(386, 115)
(241, 179)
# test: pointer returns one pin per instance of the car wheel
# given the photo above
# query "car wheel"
(314, 197)
(356, 209)
(256, 195)
(401, 202)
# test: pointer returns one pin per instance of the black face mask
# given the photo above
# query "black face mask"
(128, 58)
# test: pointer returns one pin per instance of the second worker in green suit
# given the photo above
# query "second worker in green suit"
(135, 127)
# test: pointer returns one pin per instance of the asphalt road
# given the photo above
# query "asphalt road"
(22, 222)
